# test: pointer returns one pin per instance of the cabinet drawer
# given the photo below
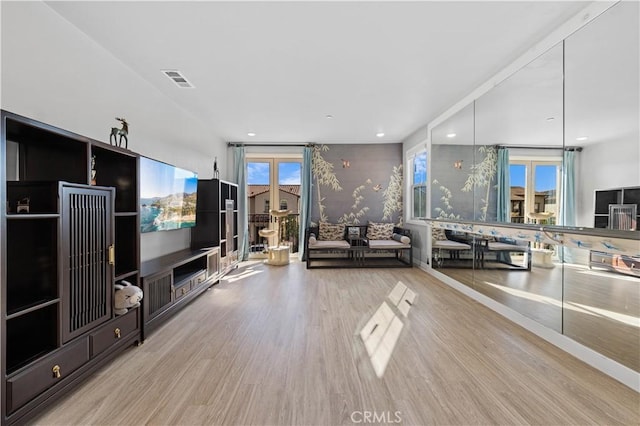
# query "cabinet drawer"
(113, 332)
(198, 279)
(182, 291)
(45, 373)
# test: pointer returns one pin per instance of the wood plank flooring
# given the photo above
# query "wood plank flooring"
(281, 345)
(596, 308)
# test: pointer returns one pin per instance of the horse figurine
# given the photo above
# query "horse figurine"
(123, 132)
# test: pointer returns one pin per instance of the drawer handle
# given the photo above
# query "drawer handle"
(117, 333)
(56, 371)
(184, 290)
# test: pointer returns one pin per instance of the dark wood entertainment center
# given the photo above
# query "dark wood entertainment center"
(61, 256)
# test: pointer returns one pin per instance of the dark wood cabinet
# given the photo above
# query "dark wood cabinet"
(171, 281)
(217, 221)
(69, 231)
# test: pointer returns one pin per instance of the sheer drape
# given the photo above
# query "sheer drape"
(240, 174)
(504, 186)
(305, 199)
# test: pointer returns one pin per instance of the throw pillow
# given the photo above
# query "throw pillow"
(401, 238)
(438, 234)
(379, 231)
(331, 232)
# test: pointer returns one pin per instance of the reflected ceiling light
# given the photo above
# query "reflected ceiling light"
(551, 118)
(451, 135)
(582, 138)
(329, 116)
(380, 134)
(251, 134)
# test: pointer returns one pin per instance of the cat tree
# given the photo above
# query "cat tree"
(277, 254)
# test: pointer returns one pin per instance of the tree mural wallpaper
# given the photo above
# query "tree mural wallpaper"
(323, 175)
(477, 188)
(356, 184)
(482, 176)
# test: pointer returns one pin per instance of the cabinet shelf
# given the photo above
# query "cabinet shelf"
(126, 214)
(28, 216)
(117, 169)
(126, 275)
(30, 336)
(32, 259)
(42, 196)
(23, 310)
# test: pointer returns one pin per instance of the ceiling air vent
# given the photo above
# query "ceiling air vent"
(178, 78)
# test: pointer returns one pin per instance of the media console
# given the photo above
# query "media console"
(171, 281)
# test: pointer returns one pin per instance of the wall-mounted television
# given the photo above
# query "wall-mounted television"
(168, 196)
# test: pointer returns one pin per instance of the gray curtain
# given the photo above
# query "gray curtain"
(504, 186)
(305, 199)
(240, 175)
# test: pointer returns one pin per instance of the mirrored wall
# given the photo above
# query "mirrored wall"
(556, 145)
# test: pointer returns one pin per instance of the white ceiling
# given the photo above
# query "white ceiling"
(278, 68)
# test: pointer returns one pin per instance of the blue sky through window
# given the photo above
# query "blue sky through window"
(420, 169)
(545, 176)
(288, 173)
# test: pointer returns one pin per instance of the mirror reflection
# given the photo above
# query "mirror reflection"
(452, 153)
(525, 184)
(521, 163)
(601, 288)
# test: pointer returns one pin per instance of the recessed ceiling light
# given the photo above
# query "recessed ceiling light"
(582, 138)
(551, 118)
(451, 135)
(380, 134)
(329, 116)
(251, 134)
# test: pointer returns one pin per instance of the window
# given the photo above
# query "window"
(534, 188)
(283, 205)
(419, 185)
(266, 206)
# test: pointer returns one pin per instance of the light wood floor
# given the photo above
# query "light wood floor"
(280, 345)
(596, 308)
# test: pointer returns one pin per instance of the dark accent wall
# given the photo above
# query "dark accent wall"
(357, 184)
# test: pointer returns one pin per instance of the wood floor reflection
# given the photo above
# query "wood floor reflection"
(601, 308)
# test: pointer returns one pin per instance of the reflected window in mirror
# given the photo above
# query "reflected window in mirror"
(534, 190)
(419, 184)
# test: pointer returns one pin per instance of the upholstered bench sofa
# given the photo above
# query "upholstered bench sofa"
(375, 245)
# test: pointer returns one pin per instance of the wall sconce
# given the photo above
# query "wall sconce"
(458, 164)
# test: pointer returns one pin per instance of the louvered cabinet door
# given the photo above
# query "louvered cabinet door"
(87, 238)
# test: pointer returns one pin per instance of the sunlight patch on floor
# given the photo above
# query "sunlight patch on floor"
(577, 307)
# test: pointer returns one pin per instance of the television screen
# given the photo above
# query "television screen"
(168, 196)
